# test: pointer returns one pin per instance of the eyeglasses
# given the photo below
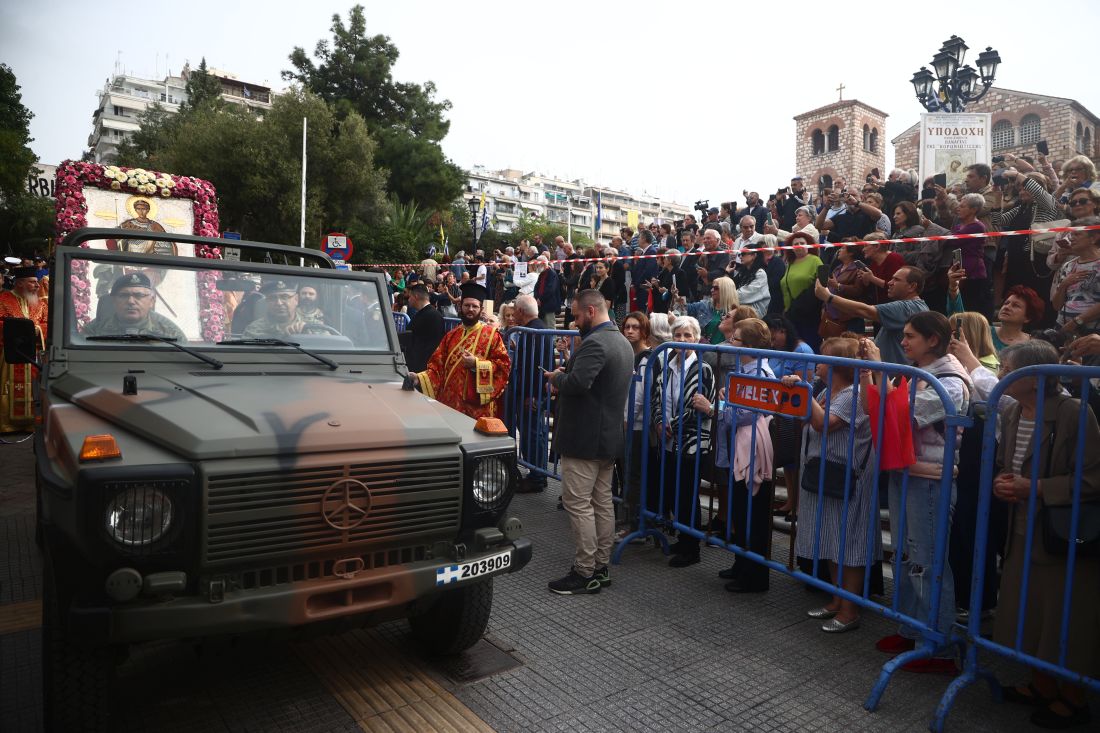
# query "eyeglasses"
(714, 289)
(1080, 202)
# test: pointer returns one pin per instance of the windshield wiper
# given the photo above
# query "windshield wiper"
(163, 339)
(279, 342)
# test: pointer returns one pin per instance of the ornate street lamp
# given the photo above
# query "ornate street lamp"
(473, 204)
(952, 86)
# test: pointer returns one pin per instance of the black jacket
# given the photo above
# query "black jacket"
(592, 394)
(423, 337)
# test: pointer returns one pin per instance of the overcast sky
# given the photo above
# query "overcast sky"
(684, 100)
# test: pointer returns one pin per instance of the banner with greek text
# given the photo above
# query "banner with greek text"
(949, 142)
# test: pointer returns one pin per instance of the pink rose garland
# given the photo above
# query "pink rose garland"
(74, 176)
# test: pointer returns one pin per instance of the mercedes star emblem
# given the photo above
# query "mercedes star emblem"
(346, 504)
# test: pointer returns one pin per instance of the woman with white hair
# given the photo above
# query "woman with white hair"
(977, 289)
(709, 311)
(683, 431)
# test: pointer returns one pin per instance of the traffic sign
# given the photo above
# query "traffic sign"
(341, 265)
(337, 246)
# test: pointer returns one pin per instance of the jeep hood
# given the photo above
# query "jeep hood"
(206, 415)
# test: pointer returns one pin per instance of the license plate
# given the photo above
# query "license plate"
(474, 569)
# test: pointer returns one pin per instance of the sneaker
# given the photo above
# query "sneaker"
(895, 644)
(603, 574)
(574, 584)
(935, 665)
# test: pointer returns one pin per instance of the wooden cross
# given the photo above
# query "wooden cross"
(841, 90)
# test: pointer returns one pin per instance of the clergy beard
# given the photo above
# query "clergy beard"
(468, 321)
(31, 298)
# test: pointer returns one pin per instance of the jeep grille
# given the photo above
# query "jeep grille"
(254, 516)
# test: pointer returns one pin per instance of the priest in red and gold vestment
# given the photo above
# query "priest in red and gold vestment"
(469, 369)
(22, 301)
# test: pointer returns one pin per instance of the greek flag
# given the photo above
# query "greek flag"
(599, 212)
(449, 574)
(484, 220)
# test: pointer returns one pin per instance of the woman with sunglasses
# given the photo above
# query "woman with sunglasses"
(1082, 202)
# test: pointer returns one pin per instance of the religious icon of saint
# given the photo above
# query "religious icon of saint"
(140, 221)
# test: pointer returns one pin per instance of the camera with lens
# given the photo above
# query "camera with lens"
(1056, 337)
(998, 159)
(702, 206)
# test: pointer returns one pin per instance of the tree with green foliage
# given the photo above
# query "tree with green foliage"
(256, 166)
(528, 226)
(355, 73)
(25, 220)
(203, 89)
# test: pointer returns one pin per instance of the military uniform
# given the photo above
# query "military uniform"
(154, 325)
(265, 328)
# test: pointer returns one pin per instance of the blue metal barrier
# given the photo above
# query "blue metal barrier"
(401, 322)
(528, 405)
(449, 324)
(1032, 539)
(675, 468)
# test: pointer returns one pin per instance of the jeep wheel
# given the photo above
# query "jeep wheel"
(455, 620)
(76, 680)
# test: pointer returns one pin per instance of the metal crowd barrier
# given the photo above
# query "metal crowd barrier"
(401, 321)
(450, 324)
(667, 511)
(1078, 569)
(529, 407)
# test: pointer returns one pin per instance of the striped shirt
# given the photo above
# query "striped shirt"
(1024, 434)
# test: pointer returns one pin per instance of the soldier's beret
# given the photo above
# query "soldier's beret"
(131, 280)
(279, 286)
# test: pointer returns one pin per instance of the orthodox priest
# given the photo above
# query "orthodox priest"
(469, 369)
(22, 301)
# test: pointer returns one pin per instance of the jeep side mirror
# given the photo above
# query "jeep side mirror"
(19, 340)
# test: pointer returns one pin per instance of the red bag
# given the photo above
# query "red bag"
(896, 439)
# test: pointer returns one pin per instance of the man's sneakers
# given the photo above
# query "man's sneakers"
(575, 584)
(603, 575)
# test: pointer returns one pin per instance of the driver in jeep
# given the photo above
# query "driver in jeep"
(132, 298)
(282, 316)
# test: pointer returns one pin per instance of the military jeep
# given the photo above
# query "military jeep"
(261, 473)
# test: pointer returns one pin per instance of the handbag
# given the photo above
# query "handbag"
(895, 436)
(1056, 521)
(828, 328)
(1043, 243)
(836, 474)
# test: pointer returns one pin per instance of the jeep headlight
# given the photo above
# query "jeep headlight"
(490, 482)
(138, 516)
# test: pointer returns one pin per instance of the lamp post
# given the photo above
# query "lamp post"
(950, 86)
(473, 221)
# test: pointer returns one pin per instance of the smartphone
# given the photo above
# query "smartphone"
(823, 273)
(1042, 147)
(958, 328)
(956, 258)
(860, 264)
(940, 179)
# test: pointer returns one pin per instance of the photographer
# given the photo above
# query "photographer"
(1023, 263)
(857, 220)
(791, 199)
(900, 186)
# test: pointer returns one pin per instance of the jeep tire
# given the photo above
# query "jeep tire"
(455, 620)
(76, 679)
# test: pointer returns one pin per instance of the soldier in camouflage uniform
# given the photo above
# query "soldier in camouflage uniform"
(132, 299)
(281, 317)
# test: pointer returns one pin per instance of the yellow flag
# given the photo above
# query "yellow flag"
(442, 236)
(632, 219)
(481, 205)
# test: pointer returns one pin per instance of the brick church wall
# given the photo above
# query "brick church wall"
(850, 160)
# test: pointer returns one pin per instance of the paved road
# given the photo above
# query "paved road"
(661, 649)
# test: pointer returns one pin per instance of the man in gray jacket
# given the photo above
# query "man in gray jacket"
(589, 436)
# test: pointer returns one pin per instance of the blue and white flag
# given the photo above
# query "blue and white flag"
(599, 212)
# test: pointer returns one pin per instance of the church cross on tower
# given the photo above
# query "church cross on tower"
(841, 90)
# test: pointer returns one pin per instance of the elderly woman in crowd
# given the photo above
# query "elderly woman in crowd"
(977, 289)
(846, 282)
(1022, 308)
(743, 438)
(506, 318)
(1061, 704)
(750, 276)
(636, 330)
(709, 311)
(926, 339)
(803, 222)
(660, 328)
(1024, 263)
(683, 432)
(1082, 202)
(841, 536)
(799, 302)
(1075, 292)
(1078, 172)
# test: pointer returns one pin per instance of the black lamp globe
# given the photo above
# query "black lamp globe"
(950, 86)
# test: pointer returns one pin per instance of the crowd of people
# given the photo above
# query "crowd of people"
(805, 274)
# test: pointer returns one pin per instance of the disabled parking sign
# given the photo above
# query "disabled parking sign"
(337, 246)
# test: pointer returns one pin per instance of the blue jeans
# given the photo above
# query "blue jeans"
(915, 584)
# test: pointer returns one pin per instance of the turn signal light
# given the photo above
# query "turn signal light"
(99, 448)
(490, 426)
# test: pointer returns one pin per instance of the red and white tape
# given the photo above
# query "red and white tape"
(902, 240)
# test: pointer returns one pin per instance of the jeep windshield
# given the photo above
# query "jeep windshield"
(198, 303)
